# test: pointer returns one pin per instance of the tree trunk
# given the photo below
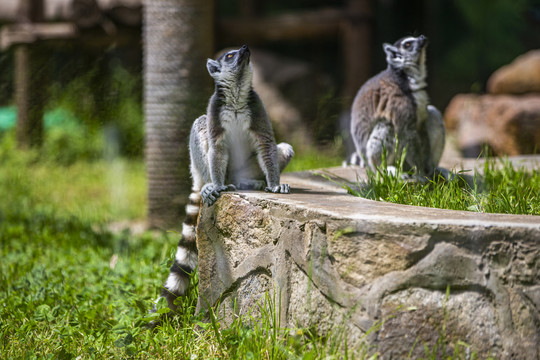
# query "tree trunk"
(178, 38)
(29, 81)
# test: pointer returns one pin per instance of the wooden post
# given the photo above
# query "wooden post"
(28, 82)
(356, 47)
(29, 121)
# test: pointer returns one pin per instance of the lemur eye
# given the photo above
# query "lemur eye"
(407, 45)
(229, 56)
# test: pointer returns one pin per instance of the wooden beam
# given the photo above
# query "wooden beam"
(29, 33)
(63, 10)
(290, 26)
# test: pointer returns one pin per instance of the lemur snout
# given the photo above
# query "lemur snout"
(244, 50)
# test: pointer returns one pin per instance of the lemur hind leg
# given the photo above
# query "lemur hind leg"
(356, 159)
(256, 176)
(381, 141)
(285, 153)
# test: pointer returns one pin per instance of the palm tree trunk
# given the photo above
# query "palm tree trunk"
(178, 38)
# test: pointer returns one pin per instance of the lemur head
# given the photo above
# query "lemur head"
(408, 54)
(232, 68)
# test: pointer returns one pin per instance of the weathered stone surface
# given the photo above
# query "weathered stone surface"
(509, 125)
(519, 77)
(470, 317)
(332, 260)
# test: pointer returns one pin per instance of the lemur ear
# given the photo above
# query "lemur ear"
(213, 66)
(393, 56)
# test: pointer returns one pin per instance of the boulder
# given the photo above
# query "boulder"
(509, 125)
(519, 77)
(331, 261)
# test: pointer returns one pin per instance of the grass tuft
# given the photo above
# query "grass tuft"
(502, 188)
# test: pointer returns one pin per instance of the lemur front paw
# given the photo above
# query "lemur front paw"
(282, 189)
(210, 192)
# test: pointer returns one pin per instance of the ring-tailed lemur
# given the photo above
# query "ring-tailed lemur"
(394, 104)
(231, 147)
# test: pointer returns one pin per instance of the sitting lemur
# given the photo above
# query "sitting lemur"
(231, 147)
(391, 113)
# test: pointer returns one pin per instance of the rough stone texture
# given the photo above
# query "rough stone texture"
(519, 77)
(509, 125)
(333, 261)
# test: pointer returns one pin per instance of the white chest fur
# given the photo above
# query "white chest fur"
(235, 121)
(236, 124)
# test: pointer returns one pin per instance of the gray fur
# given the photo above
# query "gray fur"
(394, 105)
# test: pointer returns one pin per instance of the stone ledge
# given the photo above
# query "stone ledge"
(332, 258)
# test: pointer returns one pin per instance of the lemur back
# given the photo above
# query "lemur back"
(394, 105)
(231, 147)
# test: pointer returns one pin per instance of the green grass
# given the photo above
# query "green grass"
(96, 191)
(501, 188)
(63, 295)
(69, 289)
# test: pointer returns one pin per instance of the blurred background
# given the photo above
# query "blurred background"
(93, 80)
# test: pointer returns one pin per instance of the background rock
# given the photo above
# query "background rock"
(509, 125)
(508, 119)
(519, 77)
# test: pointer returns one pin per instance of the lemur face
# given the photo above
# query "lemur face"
(231, 65)
(407, 53)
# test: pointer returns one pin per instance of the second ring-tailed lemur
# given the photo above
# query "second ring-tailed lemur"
(231, 147)
(394, 105)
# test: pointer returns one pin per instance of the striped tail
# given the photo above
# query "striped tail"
(186, 257)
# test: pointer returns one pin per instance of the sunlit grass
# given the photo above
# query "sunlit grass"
(500, 187)
(96, 191)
